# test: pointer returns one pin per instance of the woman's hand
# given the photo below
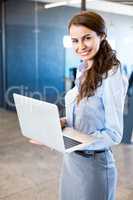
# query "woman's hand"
(63, 122)
(35, 142)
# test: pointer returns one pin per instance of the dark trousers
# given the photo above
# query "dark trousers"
(128, 122)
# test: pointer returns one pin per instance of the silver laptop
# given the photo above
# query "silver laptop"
(39, 120)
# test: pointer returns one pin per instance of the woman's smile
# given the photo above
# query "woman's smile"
(85, 53)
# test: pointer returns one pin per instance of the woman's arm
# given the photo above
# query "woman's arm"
(114, 92)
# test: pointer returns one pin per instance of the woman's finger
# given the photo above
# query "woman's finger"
(35, 142)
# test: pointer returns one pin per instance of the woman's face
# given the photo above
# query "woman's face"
(85, 42)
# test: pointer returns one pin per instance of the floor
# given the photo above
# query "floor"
(30, 172)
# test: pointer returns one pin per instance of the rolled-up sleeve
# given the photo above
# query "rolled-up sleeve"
(113, 98)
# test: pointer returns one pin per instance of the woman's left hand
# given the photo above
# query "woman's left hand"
(35, 142)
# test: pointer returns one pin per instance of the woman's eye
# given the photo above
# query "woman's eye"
(88, 38)
(74, 41)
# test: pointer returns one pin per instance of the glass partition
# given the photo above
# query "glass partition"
(35, 56)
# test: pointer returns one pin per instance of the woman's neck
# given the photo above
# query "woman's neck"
(88, 64)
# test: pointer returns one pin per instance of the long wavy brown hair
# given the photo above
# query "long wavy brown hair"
(104, 60)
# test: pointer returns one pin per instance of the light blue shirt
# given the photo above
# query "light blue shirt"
(100, 115)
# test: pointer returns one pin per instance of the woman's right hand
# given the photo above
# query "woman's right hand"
(63, 122)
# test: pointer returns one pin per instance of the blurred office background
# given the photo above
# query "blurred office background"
(36, 60)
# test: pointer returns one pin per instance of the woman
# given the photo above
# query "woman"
(94, 106)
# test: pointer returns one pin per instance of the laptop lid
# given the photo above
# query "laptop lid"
(39, 121)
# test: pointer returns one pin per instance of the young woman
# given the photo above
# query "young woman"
(94, 106)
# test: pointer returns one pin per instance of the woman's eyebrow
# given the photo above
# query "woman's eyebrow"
(88, 34)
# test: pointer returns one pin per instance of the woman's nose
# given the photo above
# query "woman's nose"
(81, 45)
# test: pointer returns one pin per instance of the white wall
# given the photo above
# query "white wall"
(120, 30)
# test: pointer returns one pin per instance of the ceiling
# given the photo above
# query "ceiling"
(121, 7)
(129, 2)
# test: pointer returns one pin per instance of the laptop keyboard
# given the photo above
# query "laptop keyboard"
(70, 142)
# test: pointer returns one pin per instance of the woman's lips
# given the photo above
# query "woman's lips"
(85, 53)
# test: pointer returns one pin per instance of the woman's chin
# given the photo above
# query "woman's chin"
(85, 58)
